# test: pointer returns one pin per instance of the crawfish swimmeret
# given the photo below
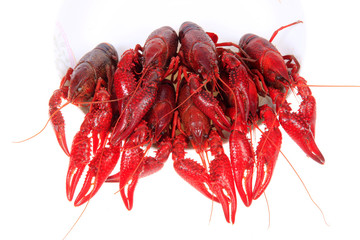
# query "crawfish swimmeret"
(210, 90)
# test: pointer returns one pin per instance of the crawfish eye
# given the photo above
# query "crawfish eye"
(190, 137)
(206, 136)
(279, 77)
(79, 89)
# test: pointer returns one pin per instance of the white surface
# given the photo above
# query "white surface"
(34, 204)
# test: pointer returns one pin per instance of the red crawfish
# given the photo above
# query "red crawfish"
(156, 61)
(90, 81)
(214, 180)
(280, 75)
(198, 53)
(78, 85)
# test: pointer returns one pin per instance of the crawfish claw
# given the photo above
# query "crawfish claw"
(222, 182)
(128, 196)
(267, 151)
(79, 158)
(221, 177)
(242, 161)
(195, 175)
(99, 169)
(299, 125)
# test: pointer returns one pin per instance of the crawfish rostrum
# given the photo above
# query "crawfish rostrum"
(157, 95)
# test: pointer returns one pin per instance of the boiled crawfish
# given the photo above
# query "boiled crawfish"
(280, 75)
(199, 55)
(78, 85)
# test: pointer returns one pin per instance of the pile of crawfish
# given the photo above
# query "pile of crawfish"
(157, 95)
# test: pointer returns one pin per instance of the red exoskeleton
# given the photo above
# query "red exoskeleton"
(280, 75)
(90, 81)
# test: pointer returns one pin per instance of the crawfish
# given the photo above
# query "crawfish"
(78, 85)
(280, 75)
(198, 53)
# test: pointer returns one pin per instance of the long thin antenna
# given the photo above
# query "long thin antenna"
(307, 191)
(44, 126)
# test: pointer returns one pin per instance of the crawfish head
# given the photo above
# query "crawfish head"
(198, 51)
(98, 63)
(82, 84)
(160, 47)
(269, 61)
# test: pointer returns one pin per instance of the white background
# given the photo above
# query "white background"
(32, 174)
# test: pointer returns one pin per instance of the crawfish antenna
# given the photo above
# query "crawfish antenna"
(283, 27)
(307, 191)
(36, 134)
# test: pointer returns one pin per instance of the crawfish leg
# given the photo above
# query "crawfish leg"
(135, 166)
